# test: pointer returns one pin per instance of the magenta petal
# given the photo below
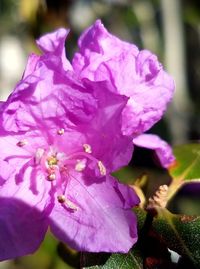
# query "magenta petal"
(53, 44)
(98, 46)
(33, 59)
(162, 149)
(46, 98)
(103, 220)
(5, 171)
(60, 101)
(24, 207)
(108, 119)
(136, 74)
(22, 228)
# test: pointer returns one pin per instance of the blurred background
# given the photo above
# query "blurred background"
(169, 28)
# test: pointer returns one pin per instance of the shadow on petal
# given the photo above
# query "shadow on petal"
(22, 228)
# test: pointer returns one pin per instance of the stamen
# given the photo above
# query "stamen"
(38, 155)
(52, 161)
(61, 199)
(61, 131)
(51, 177)
(80, 166)
(71, 205)
(102, 168)
(22, 143)
(87, 148)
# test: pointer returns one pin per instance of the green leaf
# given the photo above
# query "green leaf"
(187, 164)
(186, 168)
(131, 260)
(180, 233)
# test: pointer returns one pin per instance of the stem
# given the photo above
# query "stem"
(175, 185)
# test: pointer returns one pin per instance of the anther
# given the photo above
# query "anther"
(51, 177)
(71, 205)
(87, 148)
(38, 155)
(22, 143)
(52, 161)
(80, 166)
(61, 199)
(102, 168)
(61, 131)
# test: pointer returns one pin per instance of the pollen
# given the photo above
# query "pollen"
(102, 168)
(61, 199)
(87, 148)
(61, 131)
(80, 166)
(22, 143)
(71, 205)
(51, 177)
(52, 161)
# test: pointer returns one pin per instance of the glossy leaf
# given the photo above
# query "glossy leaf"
(187, 163)
(186, 169)
(154, 250)
(180, 233)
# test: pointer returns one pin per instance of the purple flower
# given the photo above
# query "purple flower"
(61, 138)
(133, 73)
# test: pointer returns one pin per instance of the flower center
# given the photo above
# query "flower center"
(60, 167)
(52, 161)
